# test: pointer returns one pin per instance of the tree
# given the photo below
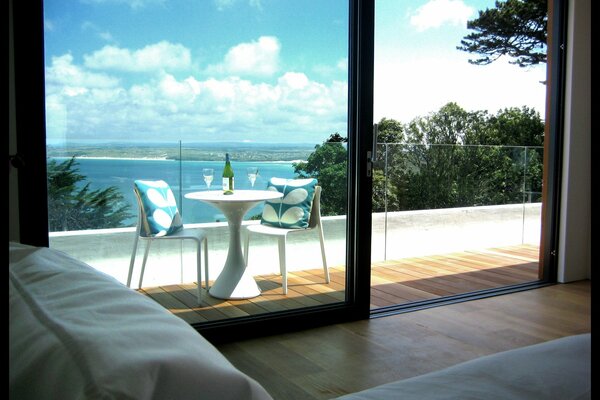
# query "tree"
(390, 138)
(449, 158)
(515, 127)
(515, 28)
(329, 165)
(389, 131)
(72, 206)
(463, 159)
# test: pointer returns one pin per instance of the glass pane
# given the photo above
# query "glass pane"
(163, 91)
(457, 182)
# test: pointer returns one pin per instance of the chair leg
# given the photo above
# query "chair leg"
(322, 241)
(149, 242)
(206, 263)
(282, 265)
(132, 261)
(199, 268)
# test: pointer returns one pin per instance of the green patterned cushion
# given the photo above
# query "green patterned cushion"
(160, 214)
(293, 209)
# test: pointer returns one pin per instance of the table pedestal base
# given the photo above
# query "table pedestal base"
(232, 286)
(235, 282)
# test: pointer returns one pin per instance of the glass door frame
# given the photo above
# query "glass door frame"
(552, 173)
(28, 22)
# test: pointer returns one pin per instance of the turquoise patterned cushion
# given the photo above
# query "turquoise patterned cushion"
(293, 209)
(160, 214)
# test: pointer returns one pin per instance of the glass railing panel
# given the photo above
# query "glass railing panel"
(382, 199)
(91, 196)
(429, 199)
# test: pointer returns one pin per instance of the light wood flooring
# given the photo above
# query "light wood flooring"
(392, 282)
(330, 361)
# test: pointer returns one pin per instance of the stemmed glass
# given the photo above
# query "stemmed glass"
(252, 174)
(208, 174)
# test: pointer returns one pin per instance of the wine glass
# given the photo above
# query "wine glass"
(252, 174)
(208, 174)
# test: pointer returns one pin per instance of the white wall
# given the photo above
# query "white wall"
(574, 252)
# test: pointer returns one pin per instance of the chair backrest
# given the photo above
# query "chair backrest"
(158, 212)
(315, 211)
(293, 210)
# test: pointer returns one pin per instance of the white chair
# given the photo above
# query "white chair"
(146, 232)
(282, 233)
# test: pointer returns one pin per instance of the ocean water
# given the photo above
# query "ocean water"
(183, 177)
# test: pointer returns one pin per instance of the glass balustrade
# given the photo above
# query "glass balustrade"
(436, 198)
(427, 199)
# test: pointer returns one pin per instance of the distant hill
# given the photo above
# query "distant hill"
(190, 152)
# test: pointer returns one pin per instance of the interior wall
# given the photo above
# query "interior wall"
(574, 252)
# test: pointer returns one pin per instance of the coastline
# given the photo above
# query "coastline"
(108, 158)
(114, 158)
(238, 153)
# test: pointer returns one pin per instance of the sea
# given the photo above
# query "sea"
(183, 177)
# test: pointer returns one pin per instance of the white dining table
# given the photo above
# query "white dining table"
(234, 282)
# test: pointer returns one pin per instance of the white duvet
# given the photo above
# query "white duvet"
(559, 370)
(75, 333)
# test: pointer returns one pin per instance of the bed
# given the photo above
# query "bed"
(76, 333)
(559, 369)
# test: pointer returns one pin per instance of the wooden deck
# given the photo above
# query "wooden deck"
(392, 282)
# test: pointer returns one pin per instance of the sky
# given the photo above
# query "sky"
(257, 70)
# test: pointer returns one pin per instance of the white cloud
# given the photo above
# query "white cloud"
(183, 91)
(161, 56)
(62, 73)
(257, 58)
(436, 13)
(193, 109)
(293, 80)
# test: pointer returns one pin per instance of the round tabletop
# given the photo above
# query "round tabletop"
(238, 196)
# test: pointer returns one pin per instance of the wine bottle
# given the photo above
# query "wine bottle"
(227, 176)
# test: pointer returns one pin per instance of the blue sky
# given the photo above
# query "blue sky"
(255, 70)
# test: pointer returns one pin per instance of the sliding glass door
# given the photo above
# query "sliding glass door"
(457, 195)
(163, 91)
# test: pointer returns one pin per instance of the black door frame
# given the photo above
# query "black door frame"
(28, 22)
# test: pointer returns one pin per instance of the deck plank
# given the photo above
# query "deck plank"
(392, 282)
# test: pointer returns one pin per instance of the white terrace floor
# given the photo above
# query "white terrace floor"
(396, 235)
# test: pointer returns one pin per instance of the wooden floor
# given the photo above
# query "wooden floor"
(331, 361)
(392, 282)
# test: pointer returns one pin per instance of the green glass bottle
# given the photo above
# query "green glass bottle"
(227, 176)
